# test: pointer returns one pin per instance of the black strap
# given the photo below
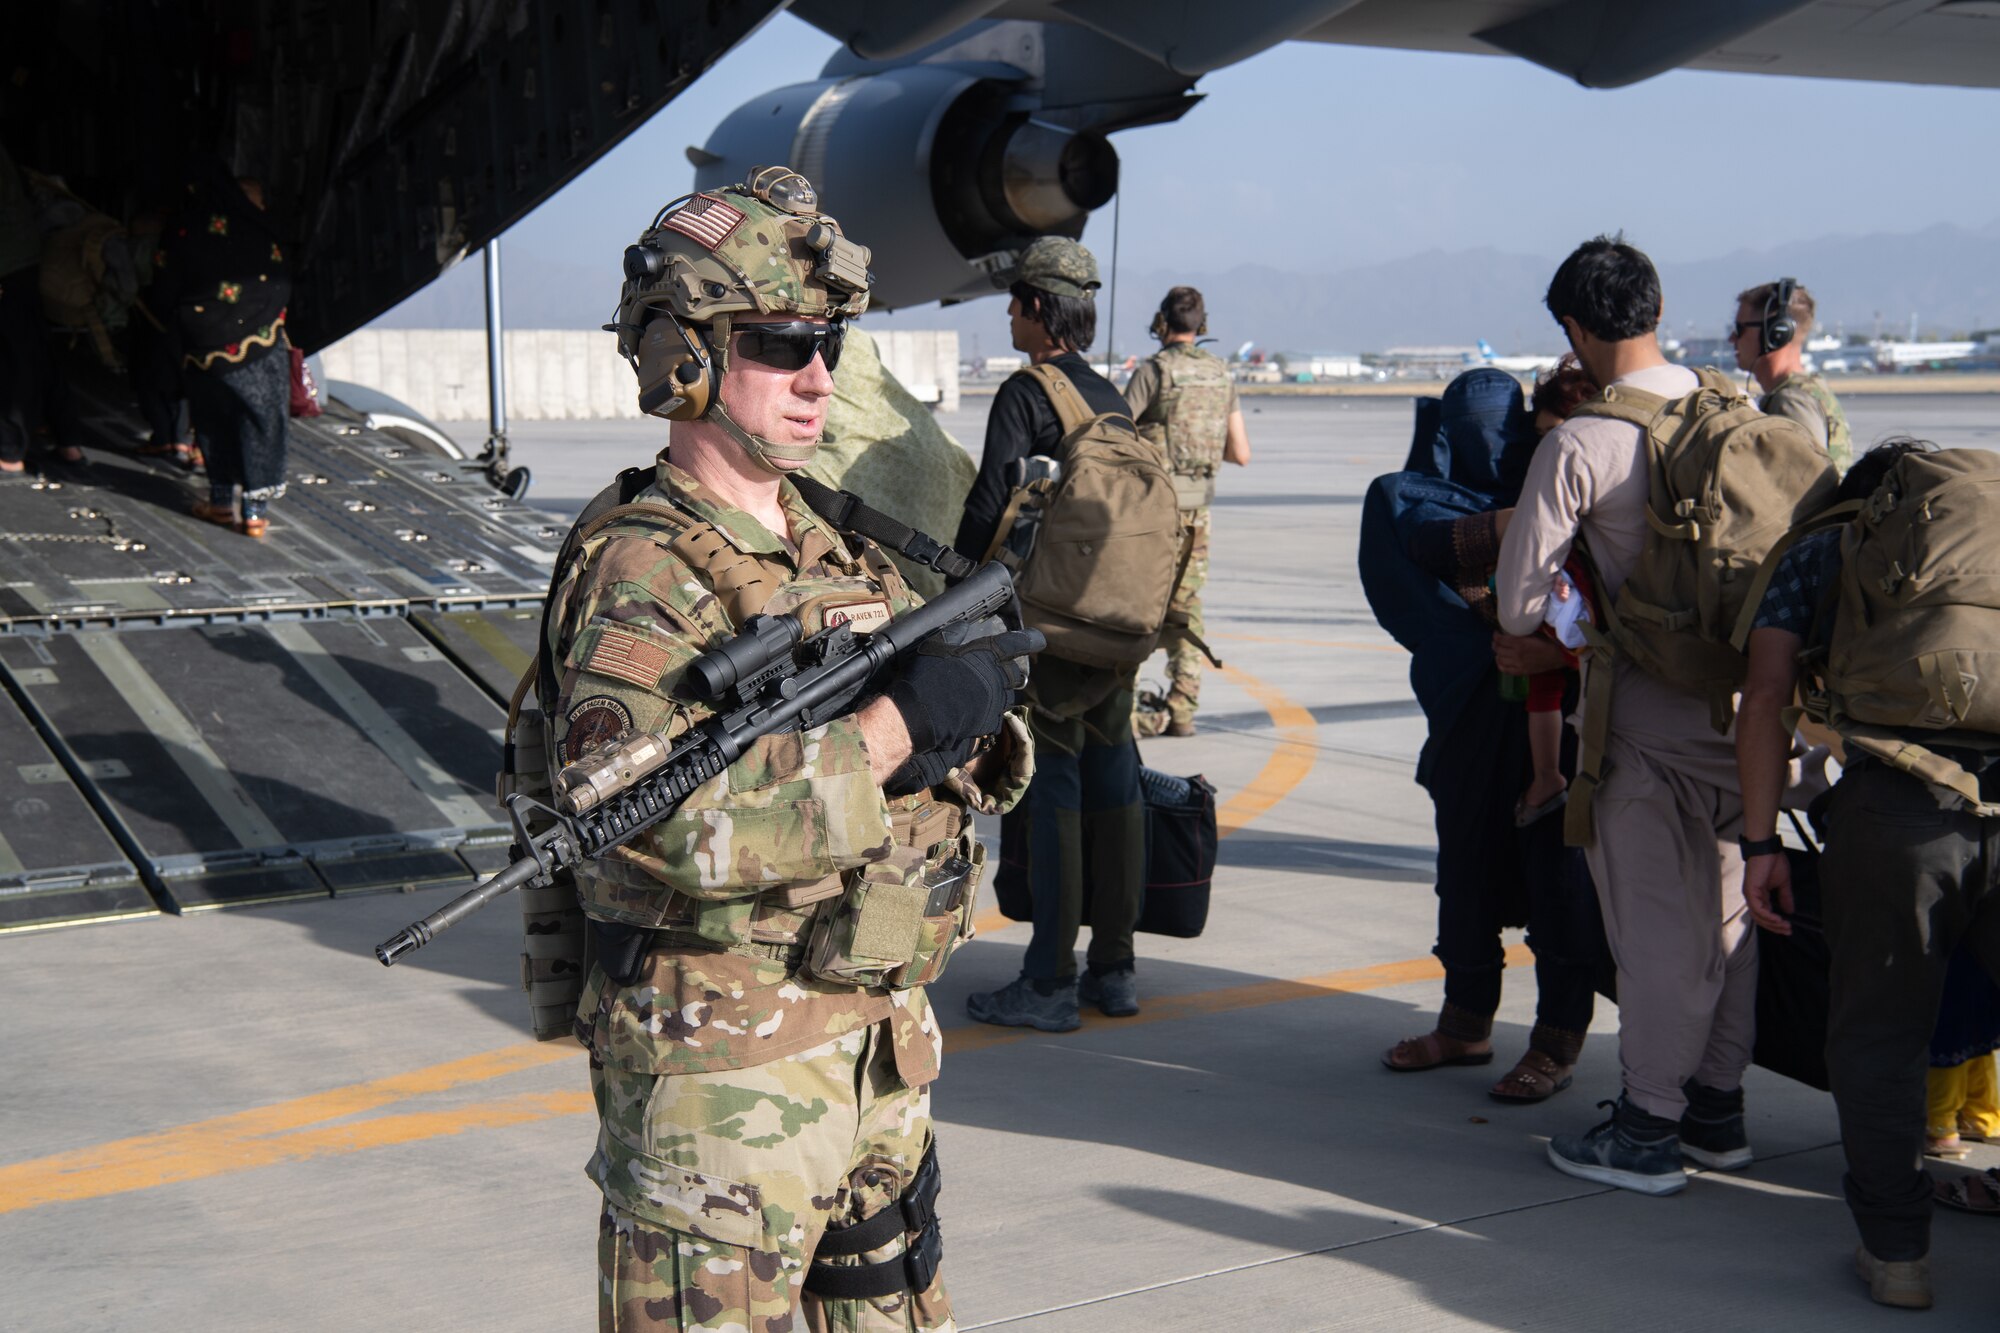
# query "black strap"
(912, 1270)
(847, 512)
(912, 1213)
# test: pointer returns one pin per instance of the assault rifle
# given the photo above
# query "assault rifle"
(768, 678)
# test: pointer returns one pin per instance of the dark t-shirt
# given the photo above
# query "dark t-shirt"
(1023, 422)
(1798, 584)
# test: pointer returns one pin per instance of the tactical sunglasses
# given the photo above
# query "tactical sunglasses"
(791, 346)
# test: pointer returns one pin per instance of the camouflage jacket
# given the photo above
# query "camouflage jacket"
(1181, 397)
(1806, 399)
(733, 878)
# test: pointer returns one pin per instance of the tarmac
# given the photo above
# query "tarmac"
(239, 1120)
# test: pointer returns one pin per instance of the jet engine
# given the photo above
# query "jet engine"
(943, 170)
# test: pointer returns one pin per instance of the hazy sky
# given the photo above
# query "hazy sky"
(1357, 155)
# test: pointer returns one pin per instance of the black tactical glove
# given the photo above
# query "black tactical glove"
(955, 687)
(928, 769)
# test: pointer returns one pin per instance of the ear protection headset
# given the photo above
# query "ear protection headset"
(1778, 328)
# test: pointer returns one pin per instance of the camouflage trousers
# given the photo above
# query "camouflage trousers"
(1183, 658)
(718, 1185)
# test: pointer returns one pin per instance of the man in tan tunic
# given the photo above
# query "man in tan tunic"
(1666, 864)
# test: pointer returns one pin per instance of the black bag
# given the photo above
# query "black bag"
(1792, 980)
(1180, 857)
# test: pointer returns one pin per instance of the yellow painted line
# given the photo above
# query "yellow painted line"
(1298, 747)
(298, 1130)
(214, 1147)
(1287, 767)
(1168, 1008)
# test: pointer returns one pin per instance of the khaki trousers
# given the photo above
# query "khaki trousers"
(1670, 880)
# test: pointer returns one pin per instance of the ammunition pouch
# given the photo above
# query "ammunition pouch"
(913, 1214)
(899, 920)
(1194, 490)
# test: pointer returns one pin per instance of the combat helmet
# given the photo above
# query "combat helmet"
(759, 248)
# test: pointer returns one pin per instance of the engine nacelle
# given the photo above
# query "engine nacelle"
(880, 145)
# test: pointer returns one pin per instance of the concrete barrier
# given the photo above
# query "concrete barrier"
(570, 374)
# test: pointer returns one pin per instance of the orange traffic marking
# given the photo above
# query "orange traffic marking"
(296, 1131)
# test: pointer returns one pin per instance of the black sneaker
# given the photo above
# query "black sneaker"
(1632, 1150)
(1116, 993)
(1712, 1130)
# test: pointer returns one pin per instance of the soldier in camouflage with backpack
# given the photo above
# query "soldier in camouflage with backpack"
(1184, 401)
(1773, 321)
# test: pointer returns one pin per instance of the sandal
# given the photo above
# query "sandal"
(1946, 1147)
(1536, 1079)
(1970, 1193)
(1433, 1050)
(223, 516)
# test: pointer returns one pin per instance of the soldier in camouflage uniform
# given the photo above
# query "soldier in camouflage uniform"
(1184, 401)
(761, 1044)
(1776, 358)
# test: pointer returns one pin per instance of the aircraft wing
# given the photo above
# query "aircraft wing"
(1599, 43)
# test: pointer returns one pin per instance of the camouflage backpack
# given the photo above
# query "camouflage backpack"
(1110, 543)
(1727, 483)
(1189, 418)
(1916, 633)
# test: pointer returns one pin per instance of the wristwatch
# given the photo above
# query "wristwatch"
(1770, 846)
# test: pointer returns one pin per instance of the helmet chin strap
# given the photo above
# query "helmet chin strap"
(766, 454)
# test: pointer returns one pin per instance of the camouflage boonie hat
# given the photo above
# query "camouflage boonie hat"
(1057, 265)
(762, 247)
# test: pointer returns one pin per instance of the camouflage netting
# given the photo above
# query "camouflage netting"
(884, 445)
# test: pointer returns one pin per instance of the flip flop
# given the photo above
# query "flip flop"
(1527, 815)
(1970, 1193)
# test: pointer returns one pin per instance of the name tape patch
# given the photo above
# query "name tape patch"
(866, 617)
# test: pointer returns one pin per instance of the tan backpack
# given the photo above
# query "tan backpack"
(1110, 544)
(1726, 483)
(1915, 637)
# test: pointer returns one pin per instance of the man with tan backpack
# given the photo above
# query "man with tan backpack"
(1892, 619)
(1082, 507)
(1676, 487)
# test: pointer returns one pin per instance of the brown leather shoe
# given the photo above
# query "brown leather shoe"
(1180, 728)
(254, 527)
(220, 515)
(1434, 1050)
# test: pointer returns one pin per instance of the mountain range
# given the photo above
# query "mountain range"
(1948, 275)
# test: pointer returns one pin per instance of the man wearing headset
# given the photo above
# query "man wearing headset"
(1773, 321)
(762, 1088)
(1184, 401)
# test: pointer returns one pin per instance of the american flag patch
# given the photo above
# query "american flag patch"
(705, 218)
(625, 656)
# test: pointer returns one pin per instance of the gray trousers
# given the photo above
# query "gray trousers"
(1670, 881)
(1904, 880)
